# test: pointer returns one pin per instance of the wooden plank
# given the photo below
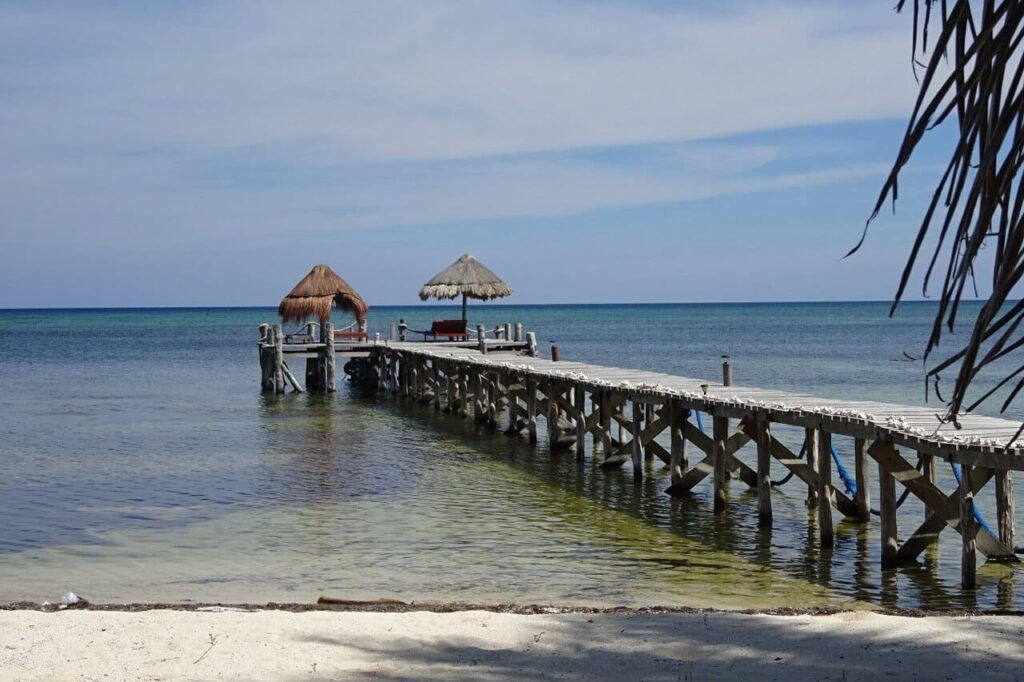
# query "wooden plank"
(949, 515)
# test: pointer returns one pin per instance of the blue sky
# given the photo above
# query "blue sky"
(210, 153)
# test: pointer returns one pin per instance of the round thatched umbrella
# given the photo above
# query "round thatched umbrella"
(318, 291)
(469, 277)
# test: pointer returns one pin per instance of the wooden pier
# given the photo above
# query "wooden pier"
(626, 413)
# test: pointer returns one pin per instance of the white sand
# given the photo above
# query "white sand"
(94, 645)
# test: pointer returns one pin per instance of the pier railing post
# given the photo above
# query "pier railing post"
(726, 371)
(481, 338)
(519, 332)
(531, 344)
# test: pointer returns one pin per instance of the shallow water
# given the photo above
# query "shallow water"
(142, 464)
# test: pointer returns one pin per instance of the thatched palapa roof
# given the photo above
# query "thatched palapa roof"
(318, 291)
(466, 276)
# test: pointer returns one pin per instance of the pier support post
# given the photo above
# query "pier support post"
(606, 424)
(492, 399)
(581, 422)
(481, 339)
(811, 452)
(435, 378)
(554, 432)
(513, 407)
(825, 530)
(278, 359)
(1004, 506)
(863, 497)
(720, 433)
(677, 460)
(928, 471)
(266, 364)
(969, 529)
(519, 332)
(887, 510)
(531, 408)
(764, 477)
(531, 344)
(464, 389)
(330, 360)
(638, 464)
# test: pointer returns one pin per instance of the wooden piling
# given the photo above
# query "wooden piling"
(278, 359)
(481, 339)
(928, 471)
(764, 478)
(720, 432)
(968, 530)
(531, 408)
(1004, 507)
(862, 499)
(811, 452)
(518, 332)
(887, 510)
(606, 423)
(581, 421)
(531, 344)
(638, 465)
(677, 420)
(825, 530)
(330, 383)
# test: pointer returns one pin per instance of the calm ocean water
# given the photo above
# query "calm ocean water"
(141, 463)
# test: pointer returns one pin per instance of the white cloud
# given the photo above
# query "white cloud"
(117, 121)
(426, 80)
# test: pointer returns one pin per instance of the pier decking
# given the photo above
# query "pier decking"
(625, 411)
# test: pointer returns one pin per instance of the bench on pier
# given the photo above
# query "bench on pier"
(454, 330)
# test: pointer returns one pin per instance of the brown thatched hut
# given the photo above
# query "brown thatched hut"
(469, 277)
(317, 293)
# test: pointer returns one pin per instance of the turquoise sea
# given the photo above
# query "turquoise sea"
(141, 463)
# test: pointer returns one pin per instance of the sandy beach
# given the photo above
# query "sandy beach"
(473, 645)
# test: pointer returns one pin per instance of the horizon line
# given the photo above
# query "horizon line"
(479, 304)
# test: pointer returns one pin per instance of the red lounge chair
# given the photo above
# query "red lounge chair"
(454, 330)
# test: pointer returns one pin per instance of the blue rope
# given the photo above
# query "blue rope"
(851, 485)
(958, 475)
